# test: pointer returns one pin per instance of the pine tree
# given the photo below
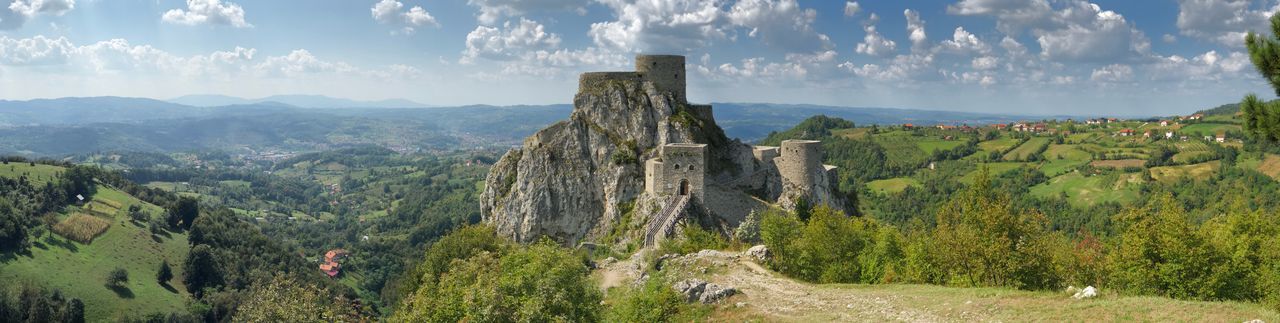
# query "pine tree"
(165, 273)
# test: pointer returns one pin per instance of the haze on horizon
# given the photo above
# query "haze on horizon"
(1032, 57)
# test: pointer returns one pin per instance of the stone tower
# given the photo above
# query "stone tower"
(801, 164)
(665, 71)
(680, 170)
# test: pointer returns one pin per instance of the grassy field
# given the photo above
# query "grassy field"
(930, 145)
(1200, 130)
(996, 169)
(892, 185)
(855, 133)
(1173, 173)
(1028, 148)
(1063, 158)
(79, 270)
(1084, 190)
(1120, 163)
(38, 175)
(1189, 150)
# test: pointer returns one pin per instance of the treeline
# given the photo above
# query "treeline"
(27, 206)
(25, 303)
(981, 239)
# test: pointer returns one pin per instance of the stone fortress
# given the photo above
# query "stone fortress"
(636, 153)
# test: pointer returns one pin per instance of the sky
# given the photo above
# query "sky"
(1077, 57)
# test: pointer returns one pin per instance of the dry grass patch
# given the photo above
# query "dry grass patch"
(1118, 163)
(81, 228)
(1270, 166)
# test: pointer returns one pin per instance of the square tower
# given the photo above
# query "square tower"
(665, 71)
(682, 171)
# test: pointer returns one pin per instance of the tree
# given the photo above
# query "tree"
(165, 273)
(117, 277)
(284, 299)
(13, 227)
(201, 270)
(183, 213)
(1262, 119)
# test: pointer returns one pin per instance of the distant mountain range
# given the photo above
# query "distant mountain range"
(301, 101)
(56, 127)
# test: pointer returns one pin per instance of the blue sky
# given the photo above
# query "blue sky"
(1116, 57)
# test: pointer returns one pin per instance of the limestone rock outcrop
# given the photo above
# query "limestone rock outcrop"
(574, 180)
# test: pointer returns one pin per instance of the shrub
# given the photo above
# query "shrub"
(655, 301)
(165, 273)
(695, 239)
(117, 277)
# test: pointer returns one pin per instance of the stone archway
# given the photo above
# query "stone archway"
(684, 187)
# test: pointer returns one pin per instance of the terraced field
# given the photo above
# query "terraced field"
(1174, 173)
(1190, 150)
(1027, 149)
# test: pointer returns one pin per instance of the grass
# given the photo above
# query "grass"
(1082, 190)
(1270, 165)
(854, 133)
(1200, 130)
(38, 175)
(1027, 149)
(81, 228)
(996, 169)
(931, 145)
(1199, 171)
(892, 185)
(997, 145)
(79, 270)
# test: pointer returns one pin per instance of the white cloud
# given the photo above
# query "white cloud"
(874, 44)
(508, 42)
(1210, 66)
(670, 25)
(37, 50)
(985, 63)
(1223, 21)
(1012, 16)
(214, 12)
(965, 43)
(1114, 73)
(1092, 34)
(915, 30)
(389, 12)
(1169, 39)
(780, 23)
(492, 11)
(902, 70)
(19, 11)
(851, 8)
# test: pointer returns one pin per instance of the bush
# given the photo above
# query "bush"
(830, 247)
(540, 283)
(655, 301)
(695, 239)
(118, 277)
(165, 273)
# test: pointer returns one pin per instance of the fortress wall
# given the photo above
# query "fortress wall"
(653, 176)
(590, 79)
(702, 111)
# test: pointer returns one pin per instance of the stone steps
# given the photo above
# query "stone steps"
(664, 223)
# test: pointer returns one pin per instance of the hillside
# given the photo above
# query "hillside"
(765, 295)
(79, 270)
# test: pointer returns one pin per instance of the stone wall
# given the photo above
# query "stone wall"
(800, 164)
(682, 165)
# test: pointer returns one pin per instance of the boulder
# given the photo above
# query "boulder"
(701, 291)
(1087, 292)
(760, 253)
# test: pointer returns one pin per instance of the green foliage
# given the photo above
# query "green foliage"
(20, 302)
(814, 127)
(165, 273)
(831, 247)
(540, 282)
(654, 301)
(694, 239)
(284, 299)
(13, 227)
(749, 230)
(117, 277)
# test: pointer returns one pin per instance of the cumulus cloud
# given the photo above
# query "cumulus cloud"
(19, 11)
(492, 11)
(851, 8)
(915, 30)
(1076, 30)
(780, 23)
(965, 43)
(1223, 21)
(389, 12)
(508, 42)
(213, 12)
(985, 63)
(37, 50)
(874, 44)
(672, 25)
(1012, 16)
(1114, 73)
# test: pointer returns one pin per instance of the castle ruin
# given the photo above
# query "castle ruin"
(635, 145)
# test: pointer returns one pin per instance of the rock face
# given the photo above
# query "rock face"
(697, 290)
(573, 180)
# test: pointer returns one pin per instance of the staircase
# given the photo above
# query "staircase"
(662, 225)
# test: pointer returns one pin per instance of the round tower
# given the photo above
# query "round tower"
(800, 163)
(665, 71)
